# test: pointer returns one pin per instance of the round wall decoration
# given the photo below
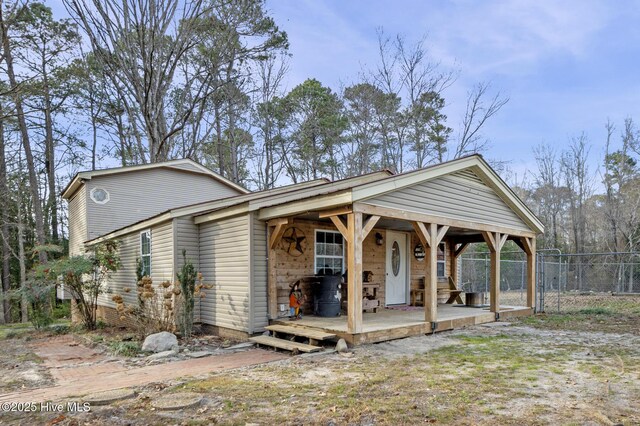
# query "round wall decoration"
(419, 252)
(294, 241)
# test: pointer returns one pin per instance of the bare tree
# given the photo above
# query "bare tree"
(478, 110)
(141, 45)
(579, 181)
(550, 192)
(269, 165)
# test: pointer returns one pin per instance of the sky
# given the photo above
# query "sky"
(566, 66)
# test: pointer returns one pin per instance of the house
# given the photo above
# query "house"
(406, 230)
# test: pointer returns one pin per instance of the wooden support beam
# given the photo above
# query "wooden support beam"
(354, 273)
(423, 233)
(336, 212)
(275, 229)
(495, 241)
(279, 226)
(453, 277)
(460, 250)
(368, 227)
(442, 230)
(490, 240)
(531, 272)
(395, 213)
(431, 274)
(342, 228)
(430, 235)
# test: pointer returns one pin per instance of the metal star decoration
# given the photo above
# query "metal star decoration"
(293, 237)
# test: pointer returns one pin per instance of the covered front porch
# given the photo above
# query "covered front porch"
(390, 324)
(428, 252)
(396, 240)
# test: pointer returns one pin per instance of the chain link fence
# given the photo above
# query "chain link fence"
(565, 282)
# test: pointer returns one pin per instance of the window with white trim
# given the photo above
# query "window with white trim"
(329, 252)
(99, 195)
(145, 252)
(441, 259)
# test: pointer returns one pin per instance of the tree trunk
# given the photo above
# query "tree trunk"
(50, 162)
(4, 228)
(24, 303)
(26, 143)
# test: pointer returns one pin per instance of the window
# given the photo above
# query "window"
(329, 252)
(145, 252)
(441, 260)
(99, 195)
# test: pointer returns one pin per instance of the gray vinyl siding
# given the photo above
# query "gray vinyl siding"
(129, 251)
(125, 277)
(224, 262)
(259, 303)
(187, 238)
(78, 222)
(459, 196)
(138, 195)
(162, 253)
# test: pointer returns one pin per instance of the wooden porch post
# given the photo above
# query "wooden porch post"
(456, 252)
(495, 241)
(430, 235)
(354, 273)
(354, 233)
(529, 247)
(275, 229)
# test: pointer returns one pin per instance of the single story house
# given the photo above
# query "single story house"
(406, 231)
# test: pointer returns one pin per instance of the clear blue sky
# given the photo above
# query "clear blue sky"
(566, 66)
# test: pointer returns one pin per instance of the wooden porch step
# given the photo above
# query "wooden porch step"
(288, 345)
(309, 333)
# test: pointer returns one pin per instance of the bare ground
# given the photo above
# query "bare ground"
(545, 370)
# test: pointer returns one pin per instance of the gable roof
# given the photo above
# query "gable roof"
(184, 165)
(323, 194)
(240, 203)
(368, 190)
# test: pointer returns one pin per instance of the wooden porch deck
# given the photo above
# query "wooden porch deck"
(390, 324)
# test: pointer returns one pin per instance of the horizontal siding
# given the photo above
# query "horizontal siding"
(162, 253)
(129, 252)
(224, 263)
(259, 303)
(125, 277)
(78, 222)
(187, 238)
(461, 196)
(138, 195)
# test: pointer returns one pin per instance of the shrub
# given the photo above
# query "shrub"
(187, 279)
(84, 277)
(155, 310)
(62, 310)
(38, 292)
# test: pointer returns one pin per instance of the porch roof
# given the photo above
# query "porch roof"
(336, 194)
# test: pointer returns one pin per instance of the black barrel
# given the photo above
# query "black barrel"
(327, 295)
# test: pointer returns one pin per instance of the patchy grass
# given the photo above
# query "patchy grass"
(504, 378)
(26, 330)
(124, 348)
(612, 319)
(547, 369)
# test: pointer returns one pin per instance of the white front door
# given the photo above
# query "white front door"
(396, 270)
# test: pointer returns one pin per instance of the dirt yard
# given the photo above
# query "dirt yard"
(582, 368)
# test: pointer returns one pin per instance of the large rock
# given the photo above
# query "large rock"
(160, 342)
(342, 347)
